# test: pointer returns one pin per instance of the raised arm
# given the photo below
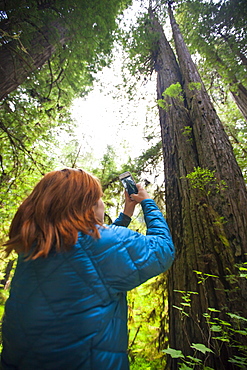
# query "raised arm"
(129, 206)
(127, 258)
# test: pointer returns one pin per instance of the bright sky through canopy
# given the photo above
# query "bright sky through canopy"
(107, 116)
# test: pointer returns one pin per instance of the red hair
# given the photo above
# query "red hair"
(60, 205)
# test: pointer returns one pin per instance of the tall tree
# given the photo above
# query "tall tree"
(217, 30)
(49, 51)
(206, 209)
(79, 32)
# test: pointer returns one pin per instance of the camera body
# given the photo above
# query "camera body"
(128, 183)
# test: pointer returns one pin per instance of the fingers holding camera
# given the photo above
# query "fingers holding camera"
(129, 205)
(141, 195)
(133, 199)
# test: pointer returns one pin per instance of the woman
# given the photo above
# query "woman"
(67, 305)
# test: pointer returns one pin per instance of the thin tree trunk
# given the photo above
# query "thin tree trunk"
(5, 281)
(240, 97)
(17, 63)
(237, 51)
(209, 224)
(237, 89)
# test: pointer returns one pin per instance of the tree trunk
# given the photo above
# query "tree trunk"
(17, 62)
(240, 97)
(5, 281)
(209, 221)
(237, 89)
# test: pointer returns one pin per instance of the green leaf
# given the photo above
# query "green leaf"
(222, 322)
(215, 328)
(178, 308)
(201, 347)
(222, 339)
(174, 353)
(213, 309)
(197, 272)
(185, 367)
(181, 309)
(242, 332)
(210, 275)
(234, 316)
(238, 360)
(194, 359)
(174, 90)
(194, 86)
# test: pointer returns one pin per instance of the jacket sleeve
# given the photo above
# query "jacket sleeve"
(122, 220)
(126, 259)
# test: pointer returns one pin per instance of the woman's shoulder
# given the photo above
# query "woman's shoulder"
(114, 233)
(110, 236)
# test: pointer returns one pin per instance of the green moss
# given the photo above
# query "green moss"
(194, 86)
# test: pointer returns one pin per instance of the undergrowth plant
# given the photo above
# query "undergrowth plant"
(219, 331)
(147, 307)
(205, 180)
(173, 91)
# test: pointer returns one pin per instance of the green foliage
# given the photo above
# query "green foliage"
(143, 364)
(141, 44)
(146, 309)
(186, 302)
(37, 113)
(88, 28)
(28, 136)
(173, 91)
(236, 128)
(242, 269)
(187, 132)
(205, 180)
(194, 86)
(201, 178)
(202, 277)
(174, 353)
(201, 347)
(149, 160)
(90, 32)
(217, 30)
(223, 327)
(189, 362)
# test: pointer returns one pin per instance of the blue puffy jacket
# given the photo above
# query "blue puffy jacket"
(68, 311)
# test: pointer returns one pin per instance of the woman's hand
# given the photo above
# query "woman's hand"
(129, 205)
(132, 200)
(141, 195)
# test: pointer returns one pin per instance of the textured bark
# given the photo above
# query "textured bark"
(208, 229)
(16, 64)
(237, 89)
(240, 97)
